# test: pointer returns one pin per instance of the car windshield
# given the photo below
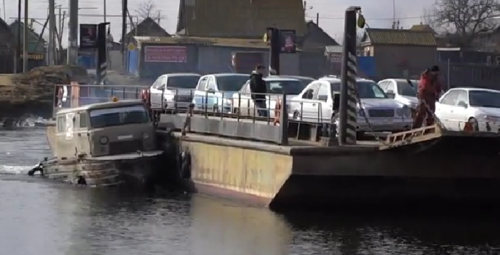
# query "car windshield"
(305, 80)
(480, 98)
(290, 87)
(406, 89)
(231, 82)
(117, 116)
(183, 82)
(366, 89)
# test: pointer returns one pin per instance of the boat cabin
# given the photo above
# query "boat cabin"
(103, 129)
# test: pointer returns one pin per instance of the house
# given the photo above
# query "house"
(312, 58)
(153, 56)
(399, 52)
(239, 18)
(36, 43)
(147, 27)
(7, 48)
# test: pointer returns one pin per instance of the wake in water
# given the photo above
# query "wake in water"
(27, 121)
(15, 170)
(21, 150)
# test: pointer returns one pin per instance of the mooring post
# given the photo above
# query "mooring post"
(101, 65)
(284, 120)
(348, 101)
(274, 39)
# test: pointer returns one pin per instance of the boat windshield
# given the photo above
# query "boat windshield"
(117, 116)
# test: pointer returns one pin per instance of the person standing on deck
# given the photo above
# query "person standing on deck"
(429, 89)
(258, 89)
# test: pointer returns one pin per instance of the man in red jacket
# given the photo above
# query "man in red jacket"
(429, 89)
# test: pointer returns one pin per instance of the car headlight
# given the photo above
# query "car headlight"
(145, 136)
(103, 140)
(413, 105)
(405, 111)
(492, 118)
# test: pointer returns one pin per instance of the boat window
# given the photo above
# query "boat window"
(83, 119)
(116, 116)
(61, 124)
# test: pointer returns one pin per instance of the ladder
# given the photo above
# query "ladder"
(413, 136)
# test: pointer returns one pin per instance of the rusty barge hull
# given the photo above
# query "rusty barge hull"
(297, 176)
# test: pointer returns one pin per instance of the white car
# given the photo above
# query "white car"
(214, 92)
(479, 106)
(315, 104)
(173, 91)
(402, 90)
(243, 104)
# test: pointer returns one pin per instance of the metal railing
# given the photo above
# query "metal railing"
(241, 106)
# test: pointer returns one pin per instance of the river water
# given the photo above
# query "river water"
(46, 218)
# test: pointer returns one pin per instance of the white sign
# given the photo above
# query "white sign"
(125, 137)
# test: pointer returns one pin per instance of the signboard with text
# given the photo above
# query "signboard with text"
(88, 36)
(288, 41)
(165, 54)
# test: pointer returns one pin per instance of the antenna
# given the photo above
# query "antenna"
(394, 12)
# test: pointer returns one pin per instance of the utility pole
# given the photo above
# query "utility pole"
(73, 33)
(18, 45)
(25, 38)
(52, 26)
(124, 29)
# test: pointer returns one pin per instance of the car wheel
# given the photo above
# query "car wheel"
(475, 124)
(360, 134)
(236, 111)
(296, 115)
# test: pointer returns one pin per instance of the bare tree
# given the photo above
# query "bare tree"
(147, 9)
(465, 19)
(428, 18)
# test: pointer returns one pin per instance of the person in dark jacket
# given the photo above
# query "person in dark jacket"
(429, 89)
(258, 88)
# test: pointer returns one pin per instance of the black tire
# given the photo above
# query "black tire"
(475, 124)
(360, 134)
(236, 111)
(296, 115)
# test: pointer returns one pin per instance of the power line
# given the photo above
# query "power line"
(368, 19)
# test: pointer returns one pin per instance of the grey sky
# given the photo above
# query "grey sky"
(378, 13)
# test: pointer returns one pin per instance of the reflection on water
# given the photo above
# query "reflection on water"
(40, 217)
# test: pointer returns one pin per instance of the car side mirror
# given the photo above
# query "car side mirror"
(390, 94)
(463, 104)
(211, 91)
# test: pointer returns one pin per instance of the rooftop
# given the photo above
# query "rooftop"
(208, 41)
(110, 104)
(378, 36)
(239, 18)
